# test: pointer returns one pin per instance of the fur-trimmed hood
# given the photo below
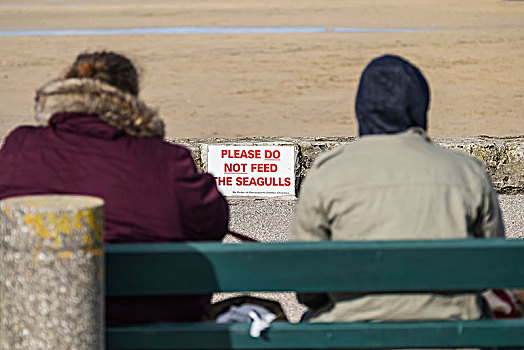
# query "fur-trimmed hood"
(113, 106)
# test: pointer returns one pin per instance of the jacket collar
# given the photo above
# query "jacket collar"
(412, 132)
(114, 107)
(84, 124)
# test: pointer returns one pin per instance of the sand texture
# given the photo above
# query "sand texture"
(230, 85)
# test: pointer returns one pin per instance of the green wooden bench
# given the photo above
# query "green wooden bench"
(398, 266)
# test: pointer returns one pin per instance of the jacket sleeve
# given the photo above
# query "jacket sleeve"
(489, 222)
(310, 225)
(310, 221)
(204, 210)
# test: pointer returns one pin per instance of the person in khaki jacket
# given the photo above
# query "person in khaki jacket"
(395, 184)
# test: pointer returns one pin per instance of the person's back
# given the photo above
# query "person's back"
(395, 184)
(398, 187)
(145, 182)
(98, 138)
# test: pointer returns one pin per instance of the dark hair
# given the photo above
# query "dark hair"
(109, 67)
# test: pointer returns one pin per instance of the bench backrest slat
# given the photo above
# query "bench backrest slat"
(191, 268)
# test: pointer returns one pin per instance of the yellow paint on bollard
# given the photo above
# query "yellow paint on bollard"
(36, 222)
(65, 255)
(54, 227)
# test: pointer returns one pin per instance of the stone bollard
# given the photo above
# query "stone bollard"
(51, 272)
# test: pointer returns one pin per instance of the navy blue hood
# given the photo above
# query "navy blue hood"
(392, 96)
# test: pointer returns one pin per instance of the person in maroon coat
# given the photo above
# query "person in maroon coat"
(97, 138)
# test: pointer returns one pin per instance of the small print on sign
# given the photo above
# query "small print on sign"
(265, 171)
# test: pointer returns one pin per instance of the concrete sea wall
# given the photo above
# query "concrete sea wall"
(270, 219)
(503, 156)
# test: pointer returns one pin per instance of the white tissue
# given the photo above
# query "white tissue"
(259, 316)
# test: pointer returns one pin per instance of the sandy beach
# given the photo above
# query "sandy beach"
(230, 85)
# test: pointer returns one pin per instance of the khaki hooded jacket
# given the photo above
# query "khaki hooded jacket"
(397, 187)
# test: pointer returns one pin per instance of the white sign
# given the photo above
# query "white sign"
(264, 171)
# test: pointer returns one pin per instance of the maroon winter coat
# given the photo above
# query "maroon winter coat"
(151, 188)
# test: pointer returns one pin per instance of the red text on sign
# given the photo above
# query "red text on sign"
(237, 153)
(224, 180)
(263, 181)
(272, 154)
(235, 168)
(264, 168)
